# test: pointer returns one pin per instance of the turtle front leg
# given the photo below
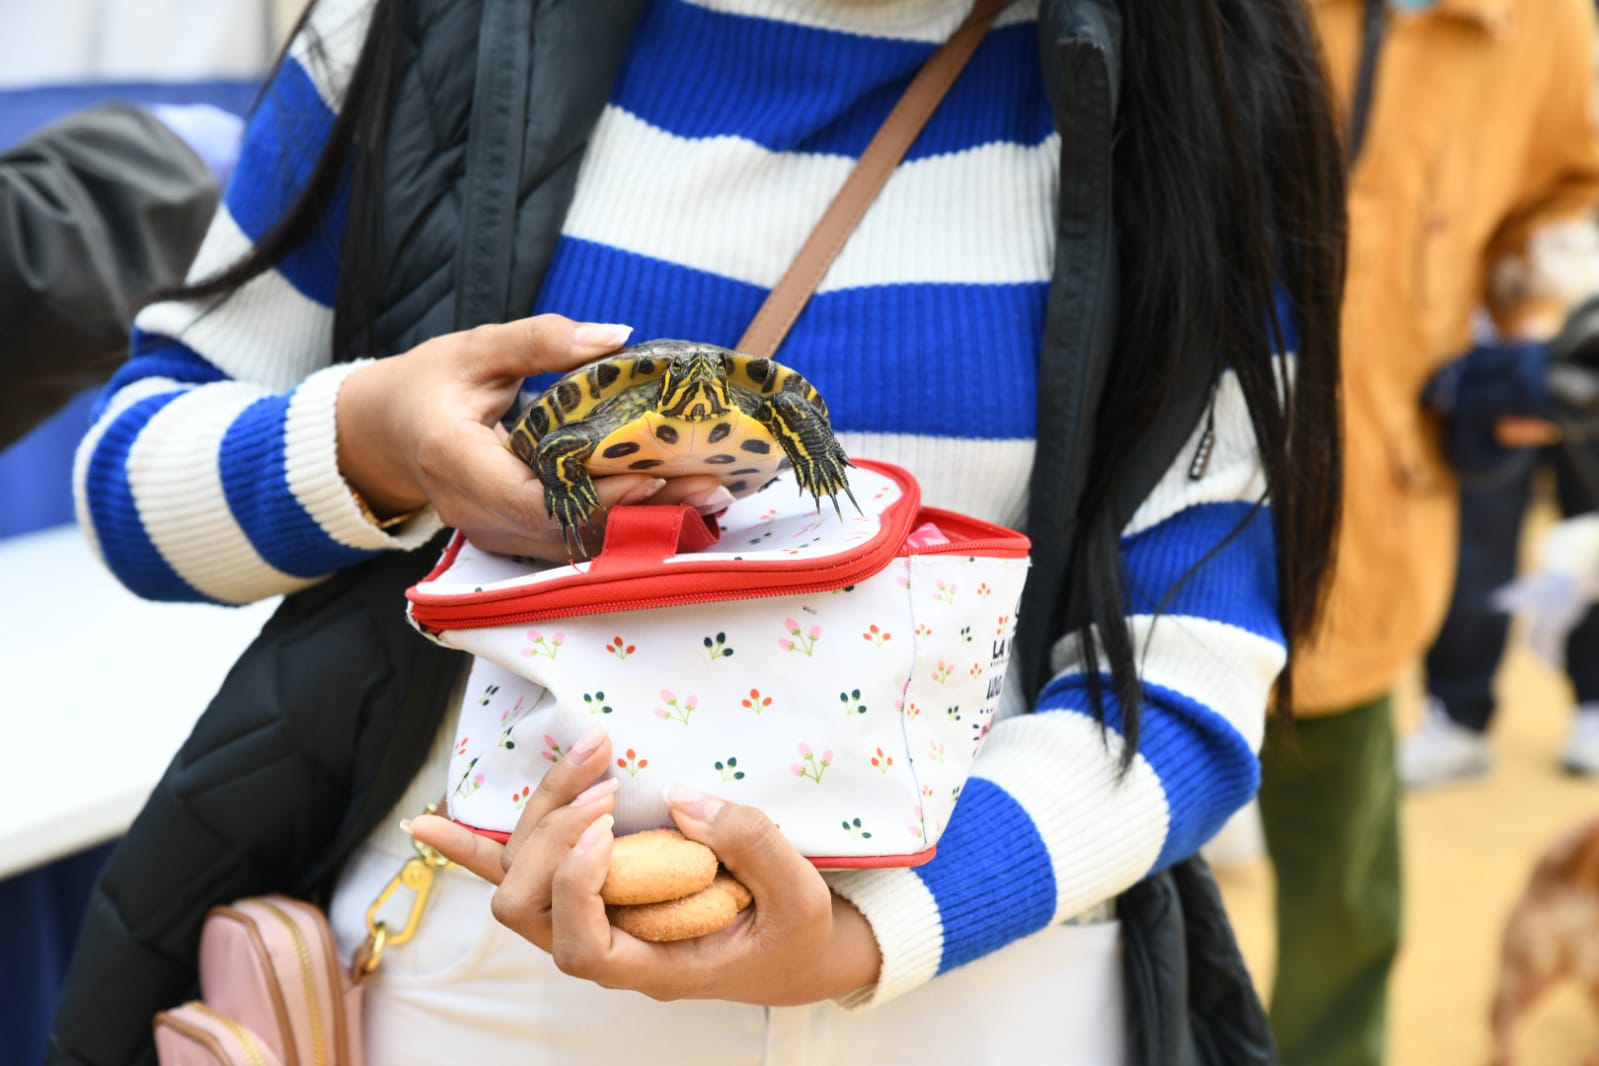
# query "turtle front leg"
(806, 437)
(568, 489)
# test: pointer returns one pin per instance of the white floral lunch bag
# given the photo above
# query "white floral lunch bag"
(838, 673)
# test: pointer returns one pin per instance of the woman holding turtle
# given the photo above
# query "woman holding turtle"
(1068, 311)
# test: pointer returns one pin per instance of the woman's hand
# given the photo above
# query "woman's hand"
(423, 427)
(798, 943)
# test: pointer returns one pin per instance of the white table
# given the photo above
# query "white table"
(98, 690)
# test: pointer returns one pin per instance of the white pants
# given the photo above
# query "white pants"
(468, 990)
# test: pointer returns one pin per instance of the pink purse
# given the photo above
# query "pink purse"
(273, 990)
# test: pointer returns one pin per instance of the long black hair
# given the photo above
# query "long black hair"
(1229, 183)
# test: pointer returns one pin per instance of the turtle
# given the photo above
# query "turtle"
(671, 408)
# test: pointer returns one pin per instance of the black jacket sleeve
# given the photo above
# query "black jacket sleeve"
(96, 211)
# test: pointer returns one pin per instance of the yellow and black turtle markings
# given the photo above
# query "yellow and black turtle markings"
(673, 408)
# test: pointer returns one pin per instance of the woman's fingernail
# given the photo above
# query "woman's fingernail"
(640, 493)
(710, 501)
(584, 747)
(602, 335)
(405, 826)
(594, 834)
(596, 792)
(700, 806)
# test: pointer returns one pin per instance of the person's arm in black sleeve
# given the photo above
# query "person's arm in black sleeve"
(96, 211)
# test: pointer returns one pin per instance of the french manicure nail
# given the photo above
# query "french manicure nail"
(596, 792)
(593, 834)
(584, 747)
(602, 335)
(640, 493)
(711, 501)
(691, 801)
(405, 826)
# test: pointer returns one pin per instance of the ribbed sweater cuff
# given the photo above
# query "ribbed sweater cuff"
(312, 463)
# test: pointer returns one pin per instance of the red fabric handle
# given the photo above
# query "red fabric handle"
(641, 535)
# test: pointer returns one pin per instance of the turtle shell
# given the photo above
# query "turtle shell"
(673, 408)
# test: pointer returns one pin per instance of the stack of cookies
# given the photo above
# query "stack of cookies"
(664, 886)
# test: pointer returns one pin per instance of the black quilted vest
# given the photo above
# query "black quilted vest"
(325, 719)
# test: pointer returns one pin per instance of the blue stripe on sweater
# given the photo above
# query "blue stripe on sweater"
(700, 73)
(1237, 585)
(997, 327)
(156, 356)
(277, 157)
(128, 550)
(256, 483)
(1206, 768)
(989, 839)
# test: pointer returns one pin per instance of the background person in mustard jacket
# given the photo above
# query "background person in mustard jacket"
(1471, 124)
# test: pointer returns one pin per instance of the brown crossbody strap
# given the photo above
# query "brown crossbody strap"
(888, 146)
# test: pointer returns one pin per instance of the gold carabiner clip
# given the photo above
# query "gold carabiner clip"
(418, 875)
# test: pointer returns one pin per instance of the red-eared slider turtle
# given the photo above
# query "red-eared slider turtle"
(671, 408)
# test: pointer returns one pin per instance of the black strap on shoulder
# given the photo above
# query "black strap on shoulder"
(1373, 30)
(493, 163)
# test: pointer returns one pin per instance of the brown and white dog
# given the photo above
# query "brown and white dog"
(1552, 933)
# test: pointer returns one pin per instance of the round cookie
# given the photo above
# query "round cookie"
(704, 912)
(657, 865)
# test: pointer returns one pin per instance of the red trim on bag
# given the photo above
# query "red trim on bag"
(631, 572)
(840, 862)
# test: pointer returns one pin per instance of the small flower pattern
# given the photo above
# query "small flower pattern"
(812, 766)
(595, 701)
(876, 637)
(539, 644)
(946, 591)
(552, 751)
(469, 782)
(717, 647)
(519, 799)
(852, 701)
(802, 641)
(676, 710)
(632, 763)
(942, 672)
(728, 769)
(755, 701)
(882, 762)
(620, 648)
(856, 831)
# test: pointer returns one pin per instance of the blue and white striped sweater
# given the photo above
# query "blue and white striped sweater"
(211, 473)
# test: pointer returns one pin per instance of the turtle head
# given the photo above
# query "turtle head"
(694, 388)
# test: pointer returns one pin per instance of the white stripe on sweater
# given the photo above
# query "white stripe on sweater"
(733, 208)
(1223, 667)
(125, 398)
(1103, 831)
(966, 478)
(266, 332)
(338, 28)
(1234, 472)
(928, 21)
(177, 487)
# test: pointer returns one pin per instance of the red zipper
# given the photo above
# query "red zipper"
(722, 578)
(440, 616)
